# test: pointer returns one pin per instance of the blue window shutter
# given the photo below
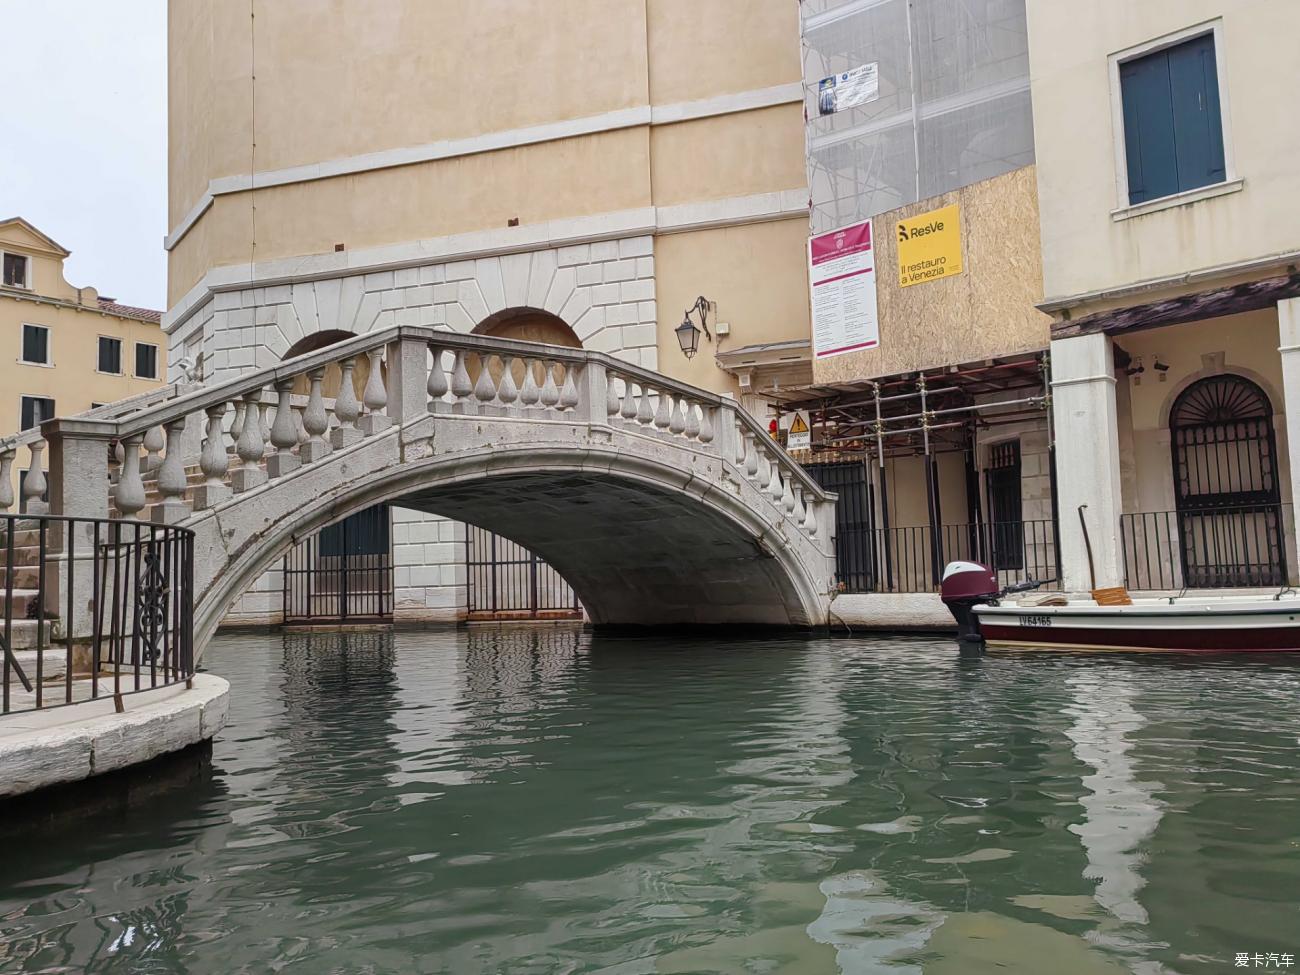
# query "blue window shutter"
(1198, 128)
(1148, 128)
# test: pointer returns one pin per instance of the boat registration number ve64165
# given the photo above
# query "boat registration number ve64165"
(1035, 621)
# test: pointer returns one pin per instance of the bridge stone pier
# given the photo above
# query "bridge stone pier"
(662, 504)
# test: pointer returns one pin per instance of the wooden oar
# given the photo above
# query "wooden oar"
(1112, 596)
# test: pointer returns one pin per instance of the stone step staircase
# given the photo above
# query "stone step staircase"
(23, 628)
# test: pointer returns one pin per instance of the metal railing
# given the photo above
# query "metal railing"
(507, 581)
(1206, 548)
(127, 586)
(912, 558)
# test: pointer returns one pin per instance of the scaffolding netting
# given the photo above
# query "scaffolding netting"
(951, 108)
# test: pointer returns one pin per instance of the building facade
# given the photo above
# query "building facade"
(581, 173)
(67, 349)
(1168, 214)
(935, 431)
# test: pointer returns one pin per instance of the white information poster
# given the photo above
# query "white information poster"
(842, 274)
(848, 88)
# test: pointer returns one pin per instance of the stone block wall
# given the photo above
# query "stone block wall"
(604, 291)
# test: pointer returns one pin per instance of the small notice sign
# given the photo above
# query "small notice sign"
(929, 246)
(800, 436)
(842, 272)
(848, 88)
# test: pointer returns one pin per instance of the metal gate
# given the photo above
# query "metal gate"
(342, 574)
(855, 522)
(1225, 478)
(507, 581)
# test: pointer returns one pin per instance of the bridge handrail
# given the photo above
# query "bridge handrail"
(628, 395)
(112, 411)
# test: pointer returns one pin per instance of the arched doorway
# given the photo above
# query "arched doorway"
(1226, 484)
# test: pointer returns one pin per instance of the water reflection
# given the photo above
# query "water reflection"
(543, 800)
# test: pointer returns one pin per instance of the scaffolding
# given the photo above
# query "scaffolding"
(952, 107)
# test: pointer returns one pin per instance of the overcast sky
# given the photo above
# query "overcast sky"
(83, 147)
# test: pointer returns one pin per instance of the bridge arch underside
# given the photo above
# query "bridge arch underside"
(644, 546)
(635, 554)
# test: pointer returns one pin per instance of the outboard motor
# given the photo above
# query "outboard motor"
(964, 586)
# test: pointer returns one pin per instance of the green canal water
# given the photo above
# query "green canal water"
(548, 801)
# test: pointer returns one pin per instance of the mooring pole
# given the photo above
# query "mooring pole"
(884, 494)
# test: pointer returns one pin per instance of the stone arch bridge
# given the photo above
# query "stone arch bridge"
(661, 503)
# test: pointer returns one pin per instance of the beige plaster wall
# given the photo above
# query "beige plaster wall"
(343, 79)
(728, 155)
(987, 310)
(755, 273)
(1084, 249)
(702, 48)
(608, 171)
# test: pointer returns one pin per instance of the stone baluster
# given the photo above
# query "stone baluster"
(677, 422)
(213, 462)
(550, 394)
(303, 435)
(129, 494)
(645, 412)
(774, 489)
(346, 409)
(705, 432)
(437, 385)
(741, 442)
(507, 391)
(6, 478)
(154, 441)
(485, 390)
(569, 391)
(284, 433)
(375, 396)
(531, 394)
(751, 455)
(662, 411)
(250, 447)
(34, 483)
(315, 421)
(264, 424)
(810, 519)
(787, 494)
(236, 425)
(797, 508)
(690, 420)
(612, 401)
(461, 387)
(172, 481)
(628, 408)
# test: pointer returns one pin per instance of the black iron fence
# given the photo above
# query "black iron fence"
(1214, 548)
(342, 574)
(911, 559)
(507, 581)
(123, 589)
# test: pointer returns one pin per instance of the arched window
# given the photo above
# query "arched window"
(1226, 484)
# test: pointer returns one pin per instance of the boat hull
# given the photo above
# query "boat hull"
(1159, 628)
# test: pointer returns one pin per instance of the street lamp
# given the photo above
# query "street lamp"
(688, 336)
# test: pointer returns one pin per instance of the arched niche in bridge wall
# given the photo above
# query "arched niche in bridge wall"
(526, 325)
(333, 374)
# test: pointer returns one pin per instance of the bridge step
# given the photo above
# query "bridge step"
(23, 634)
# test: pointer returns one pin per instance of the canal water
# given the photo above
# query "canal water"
(548, 801)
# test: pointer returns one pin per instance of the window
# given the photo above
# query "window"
(1173, 125)
(15, 271)
(110, 355)
(146, 361)
(36, 345)
(35, 409)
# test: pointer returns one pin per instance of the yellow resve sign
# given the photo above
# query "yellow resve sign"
(929, 246)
